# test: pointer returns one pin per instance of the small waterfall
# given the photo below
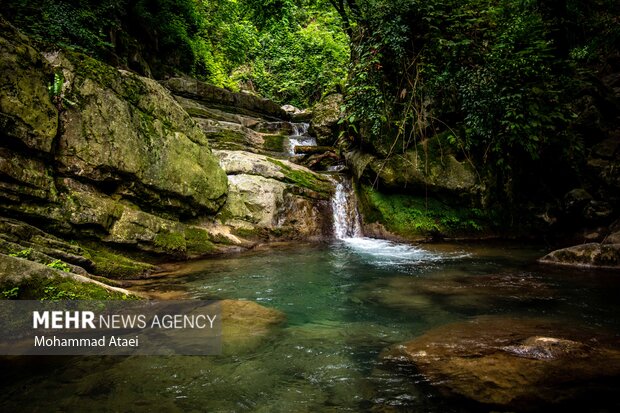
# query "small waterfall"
(300, 137)
(347, 223)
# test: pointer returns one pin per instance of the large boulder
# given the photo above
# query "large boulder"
(506, 363)
(274, 198)
(416, 169)
(128, 132)
(325, 117)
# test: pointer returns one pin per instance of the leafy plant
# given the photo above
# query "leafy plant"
(53, 293)
(11, 293)
(59, 265)
(25, 253)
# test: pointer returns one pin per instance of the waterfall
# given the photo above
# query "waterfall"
(347, 223)
(300, 137)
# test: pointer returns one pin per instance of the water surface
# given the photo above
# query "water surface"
(345, 302)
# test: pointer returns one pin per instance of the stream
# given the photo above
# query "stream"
(345, 302)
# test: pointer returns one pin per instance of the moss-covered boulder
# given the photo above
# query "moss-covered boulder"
(325, 116)
(125, 130)
(421, 168)
(27, 115)
(417, 217)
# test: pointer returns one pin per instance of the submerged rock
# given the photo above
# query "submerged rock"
(593, 255)
(246, 325)
(509, 363)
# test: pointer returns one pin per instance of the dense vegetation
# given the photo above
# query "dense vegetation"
(508, 84)
(290, 51)
(513, 86)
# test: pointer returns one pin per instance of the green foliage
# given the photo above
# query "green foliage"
(53, 293)
(292, 51)
(413, 216)
(299, 60)
(25, 253)
(59, 265)
(11, 293)
(501, 76)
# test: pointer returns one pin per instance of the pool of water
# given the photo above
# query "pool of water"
(345, 302)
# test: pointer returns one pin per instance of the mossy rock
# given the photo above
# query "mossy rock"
(304, 178)
(124, 127)
(27, 114)
(110, 264)
(411, 216)
(274, 143)
(27, 280)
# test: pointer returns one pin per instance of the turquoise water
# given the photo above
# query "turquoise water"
(344, 303)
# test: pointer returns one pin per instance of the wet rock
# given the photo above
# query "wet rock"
(586, 255)
(508, 363)
(438, 296)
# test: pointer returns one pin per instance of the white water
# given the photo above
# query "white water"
(300, 137)
(380, 252)
(347, 223)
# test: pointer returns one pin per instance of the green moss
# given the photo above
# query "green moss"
(274, 143)
(60, 288)
(171, 242)
(113, 265)
(414, 216)
(198, 242)
(227, 136)
(303, 178)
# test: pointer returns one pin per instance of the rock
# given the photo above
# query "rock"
(598, 211)
(309, 150)
(235, 102)
(274, 198)
(448, 295)
(290, 109)
(575, 200)
(586, 255)
(613, 238)
(325, 116)
(38, 281)
(440, 174)
(520, 364)
(246, 324)
(27, 115)
(128, 130)
(307, 181)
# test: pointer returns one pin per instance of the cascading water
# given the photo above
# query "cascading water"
(300, 137)
(378, 252)
(347, 222)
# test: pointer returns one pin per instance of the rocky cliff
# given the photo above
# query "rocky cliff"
(114, 162)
